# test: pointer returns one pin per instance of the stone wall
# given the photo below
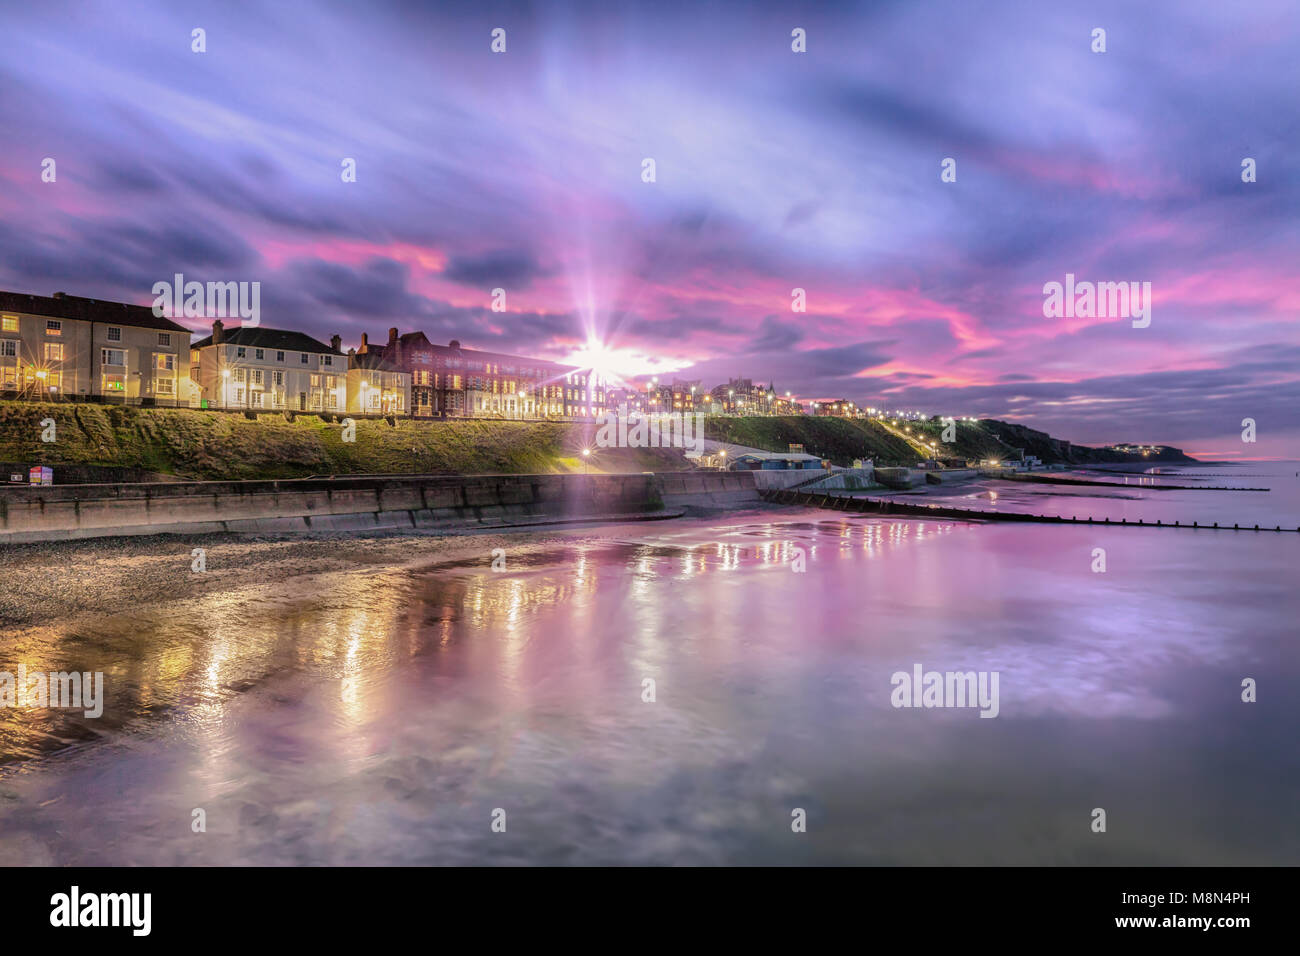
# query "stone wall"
(374, 503)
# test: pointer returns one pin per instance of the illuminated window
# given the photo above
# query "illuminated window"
(54, 351)
(10, 323)
(53, 327)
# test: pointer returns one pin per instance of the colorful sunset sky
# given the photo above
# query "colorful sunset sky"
(775, 170)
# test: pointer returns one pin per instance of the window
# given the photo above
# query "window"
(315, 381)
(194, 357)
(53, 327)
(278, 379)
(257, 378)
(241, 375)
(54, 351)
(241, 352)
(259, 354)
(164, 361)
(304, 358)
(164, 338)
(10, 323)
(328, 360)
(114, 333)
(279, 356)
(165, 386)
(113, 382)
(8, 348)
(114, 357)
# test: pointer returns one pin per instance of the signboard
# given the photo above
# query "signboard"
(41, 475)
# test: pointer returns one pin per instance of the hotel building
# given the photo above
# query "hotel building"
(451, 381)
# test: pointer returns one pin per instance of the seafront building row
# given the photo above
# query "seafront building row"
(69, 348)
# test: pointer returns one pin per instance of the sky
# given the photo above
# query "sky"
(774, 171)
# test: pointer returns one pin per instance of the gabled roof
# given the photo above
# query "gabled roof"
(373, 360)
(263, 338)
(61, 306)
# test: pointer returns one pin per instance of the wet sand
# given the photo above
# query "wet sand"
(57, 581)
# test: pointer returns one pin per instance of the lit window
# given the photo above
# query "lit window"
(53, 327)
(10, 323)
(54, 351)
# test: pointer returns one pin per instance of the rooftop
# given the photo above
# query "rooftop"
(264, 338)
(62, 306)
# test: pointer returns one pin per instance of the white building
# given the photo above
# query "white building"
(261, 368)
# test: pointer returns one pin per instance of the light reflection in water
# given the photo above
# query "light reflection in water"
(423, 692)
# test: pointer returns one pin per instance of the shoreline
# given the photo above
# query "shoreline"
(58, 581)
(53, 582)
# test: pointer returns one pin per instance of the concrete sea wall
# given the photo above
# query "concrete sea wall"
(59, 512)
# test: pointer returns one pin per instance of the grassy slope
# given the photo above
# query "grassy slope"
(213, 445)
(197, 444)
(838, 439)
(841, 440)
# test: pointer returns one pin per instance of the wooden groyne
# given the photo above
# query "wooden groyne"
(886, 507)
(1045, 480)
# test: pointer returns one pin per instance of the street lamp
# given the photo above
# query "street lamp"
(586, 457)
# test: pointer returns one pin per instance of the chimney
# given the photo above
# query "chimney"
(336, 343)
(59, 295)
(365, 345)
(218, 332)
(392, 337)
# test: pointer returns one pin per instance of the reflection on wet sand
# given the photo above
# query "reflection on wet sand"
(374, 715)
